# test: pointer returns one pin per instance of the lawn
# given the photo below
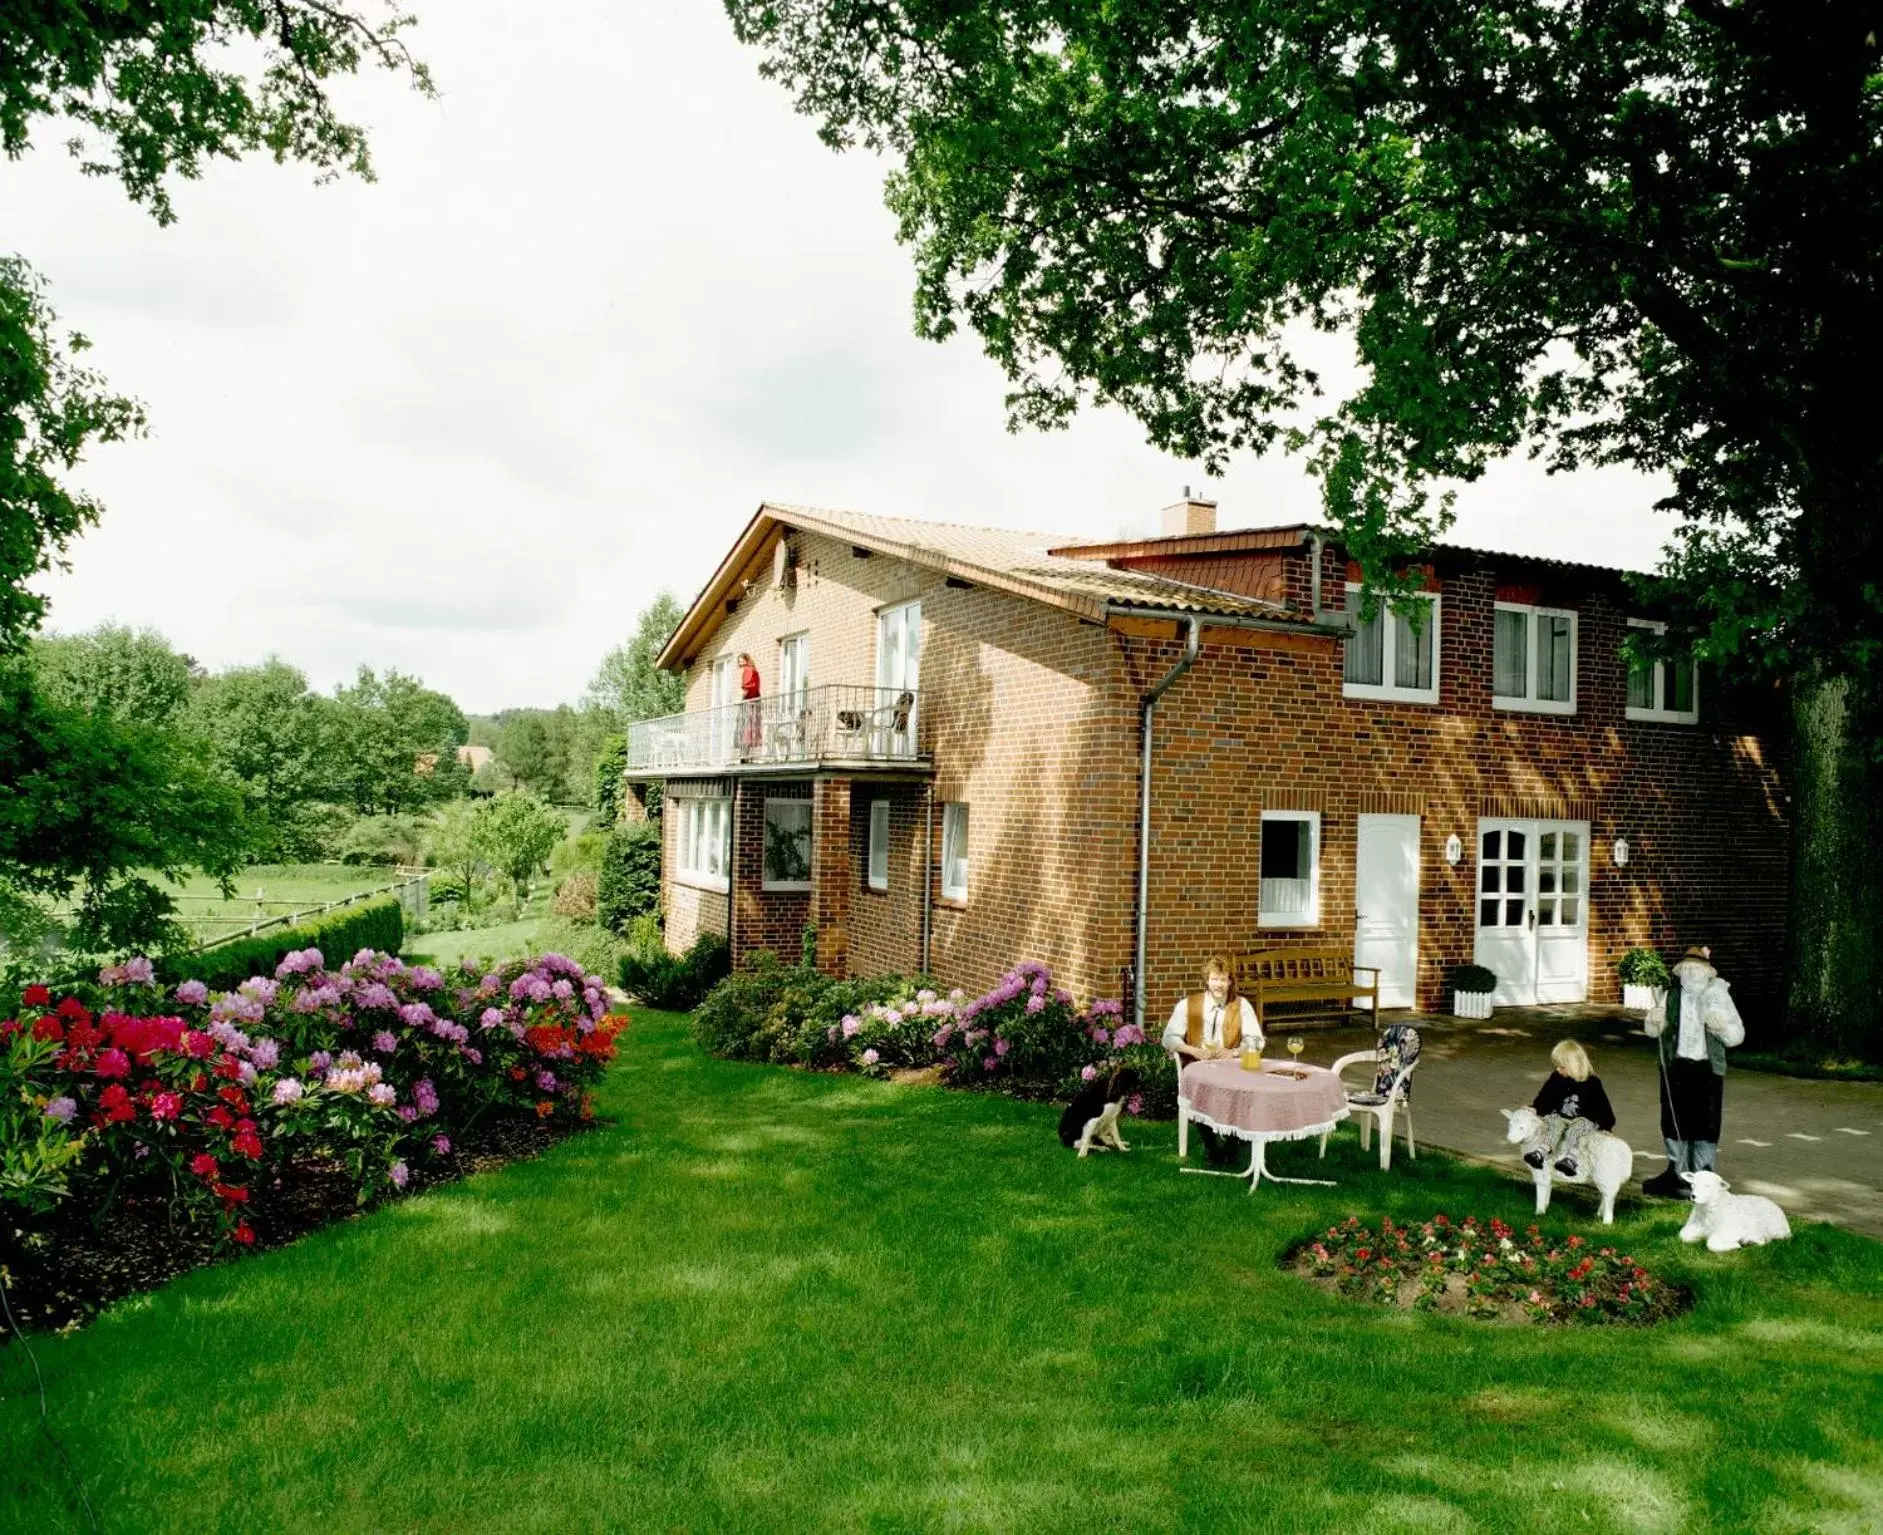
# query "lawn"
(500, 942)
(269, 890)
(767, 1300)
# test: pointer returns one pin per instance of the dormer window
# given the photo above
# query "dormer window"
(1664, 690)
(1392, 655)
(1533, 660)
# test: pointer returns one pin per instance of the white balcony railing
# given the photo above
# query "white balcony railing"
(833, 723)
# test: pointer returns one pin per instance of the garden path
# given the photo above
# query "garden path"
(1815, 1147)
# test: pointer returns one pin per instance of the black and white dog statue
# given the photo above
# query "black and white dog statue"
(1091, 1119)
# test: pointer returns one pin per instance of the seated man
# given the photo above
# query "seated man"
(1209, 1024)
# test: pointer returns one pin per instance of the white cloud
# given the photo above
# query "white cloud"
(608, 294)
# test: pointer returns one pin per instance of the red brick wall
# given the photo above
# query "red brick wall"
(886, 925)
(766, 919)
(690, 909)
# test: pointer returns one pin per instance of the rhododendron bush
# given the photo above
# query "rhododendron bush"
(1026, 1035)
(371, 1066)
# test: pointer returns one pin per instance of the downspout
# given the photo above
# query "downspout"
(1192, 646)
(1318, 542)
(732, 875)
(928, 869)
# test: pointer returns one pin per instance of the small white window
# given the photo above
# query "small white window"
(702, 840)
(794, 672)
(879, 844)
(1533, 660)
(1290, 868)
(787, 845)
(1666, 690)
(955, 850)
(1388, 656)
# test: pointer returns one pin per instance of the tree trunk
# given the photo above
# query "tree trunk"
(1836, 961)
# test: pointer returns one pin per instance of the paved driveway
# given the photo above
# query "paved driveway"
(1815, 1147)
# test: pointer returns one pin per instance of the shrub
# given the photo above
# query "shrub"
(375, 924)
(629, 882)
(575, 897)
(610, 764)
(676, 983)
(1473, 980)
(1644, 967)
(580, 854)
(204, 1100)
(595, 949)
(388, 839)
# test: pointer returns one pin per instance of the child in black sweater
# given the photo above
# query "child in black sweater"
(1573, 1104)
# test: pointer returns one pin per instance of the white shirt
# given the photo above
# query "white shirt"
(1179, 1025)
(1706, 1007)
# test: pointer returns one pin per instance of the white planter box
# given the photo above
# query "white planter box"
(1641, 998)
(1471, 1004)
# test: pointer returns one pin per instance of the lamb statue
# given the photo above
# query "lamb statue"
(1725, 1220)
(1607, 1161)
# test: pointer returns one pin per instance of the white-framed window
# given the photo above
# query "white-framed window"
(1533, 659)
(1388, 656)
(1667, 690)
(725, 685)
(702, 840)
(954, 850)
(879, 845)
(794, 672)
(1290, 869)
(787, 845)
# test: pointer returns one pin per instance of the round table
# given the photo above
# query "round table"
(1277, 1103)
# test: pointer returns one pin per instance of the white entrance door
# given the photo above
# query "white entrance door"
(1386, 916)
(898, 671)
(1533, 909)
(724, 718)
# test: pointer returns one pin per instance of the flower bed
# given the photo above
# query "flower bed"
(216, 1105)
(1486, 1269)
(1026, 1036)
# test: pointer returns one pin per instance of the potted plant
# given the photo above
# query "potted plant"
(1643, 972)
(1471, 988)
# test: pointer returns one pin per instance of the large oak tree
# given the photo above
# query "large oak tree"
(1600, 231)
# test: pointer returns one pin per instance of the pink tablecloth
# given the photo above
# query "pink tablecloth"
(1263, 1105)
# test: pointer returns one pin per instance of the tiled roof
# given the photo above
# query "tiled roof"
(999, 558)
(1004, 557)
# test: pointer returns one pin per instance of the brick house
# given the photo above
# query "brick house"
(944, 767)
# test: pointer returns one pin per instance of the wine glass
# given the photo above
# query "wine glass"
(1295, 1046)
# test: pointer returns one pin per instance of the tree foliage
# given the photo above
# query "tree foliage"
(396, 743)
(516, 833)
(1602, 231)
(133, 674)
(628, 686)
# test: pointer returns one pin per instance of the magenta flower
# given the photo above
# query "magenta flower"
(870, 1057)
(382, 1095)
(399, 1173)
(1035, 1004)
(385, 1042)
(1086, 1073)
(1001, 1047)
(1134, 1105)
(990, 1062)
(287, 1091)
(112, 1063)
(61, 1109)
(192, 993)
(442, 1145)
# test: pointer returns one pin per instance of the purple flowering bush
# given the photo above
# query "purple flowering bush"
(208, 1098)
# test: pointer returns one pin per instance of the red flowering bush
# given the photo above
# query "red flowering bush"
(368, 1067)
(1554, 1279)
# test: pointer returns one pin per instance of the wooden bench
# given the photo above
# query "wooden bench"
(1306, 975)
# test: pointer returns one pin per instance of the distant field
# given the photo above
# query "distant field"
(270, 890)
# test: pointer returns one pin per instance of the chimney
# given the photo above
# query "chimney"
(1189, 517)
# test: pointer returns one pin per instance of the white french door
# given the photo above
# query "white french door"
(1386, 907)
(1533, 909)
(724, 718)
(898, 671)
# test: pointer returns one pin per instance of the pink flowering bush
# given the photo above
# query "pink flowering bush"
(208, 1097)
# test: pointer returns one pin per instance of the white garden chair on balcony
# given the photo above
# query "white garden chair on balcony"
(1394, 1060)
(877, 732)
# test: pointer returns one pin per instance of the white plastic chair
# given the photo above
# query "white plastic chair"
(1379, 1105)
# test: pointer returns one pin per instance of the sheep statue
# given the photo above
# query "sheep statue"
(1725, 1220)
(1607, 1161)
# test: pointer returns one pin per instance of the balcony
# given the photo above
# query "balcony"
(836, 725)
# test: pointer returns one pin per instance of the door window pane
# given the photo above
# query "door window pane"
(1513, 913)
(1545, 912)
(1570, 909)
(1487, 914)
(1510, 664)
(1493, 845)
(1289, 895)
(1517, 841)
(1487, 877)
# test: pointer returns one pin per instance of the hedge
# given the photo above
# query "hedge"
(629, 883)
(375, 924)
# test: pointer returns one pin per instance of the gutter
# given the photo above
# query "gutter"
(1192, 647)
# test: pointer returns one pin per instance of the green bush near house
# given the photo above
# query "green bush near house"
(1643, 967)
(374, 924)
(783, 1014)
(628, 882)
(675, 982)
(1473, 980)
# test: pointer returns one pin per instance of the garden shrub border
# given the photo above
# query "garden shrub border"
(376, 924)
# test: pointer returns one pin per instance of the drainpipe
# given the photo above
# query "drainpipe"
(1192, 645)
(732, 875)
(1318, 542)
(928, 870)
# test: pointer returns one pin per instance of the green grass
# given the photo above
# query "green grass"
(504, 941)
(774, 1301)
(268, 890)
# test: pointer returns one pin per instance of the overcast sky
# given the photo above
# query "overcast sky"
(608, 293)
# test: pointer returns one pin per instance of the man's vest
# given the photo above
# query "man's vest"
(1232, 1020)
